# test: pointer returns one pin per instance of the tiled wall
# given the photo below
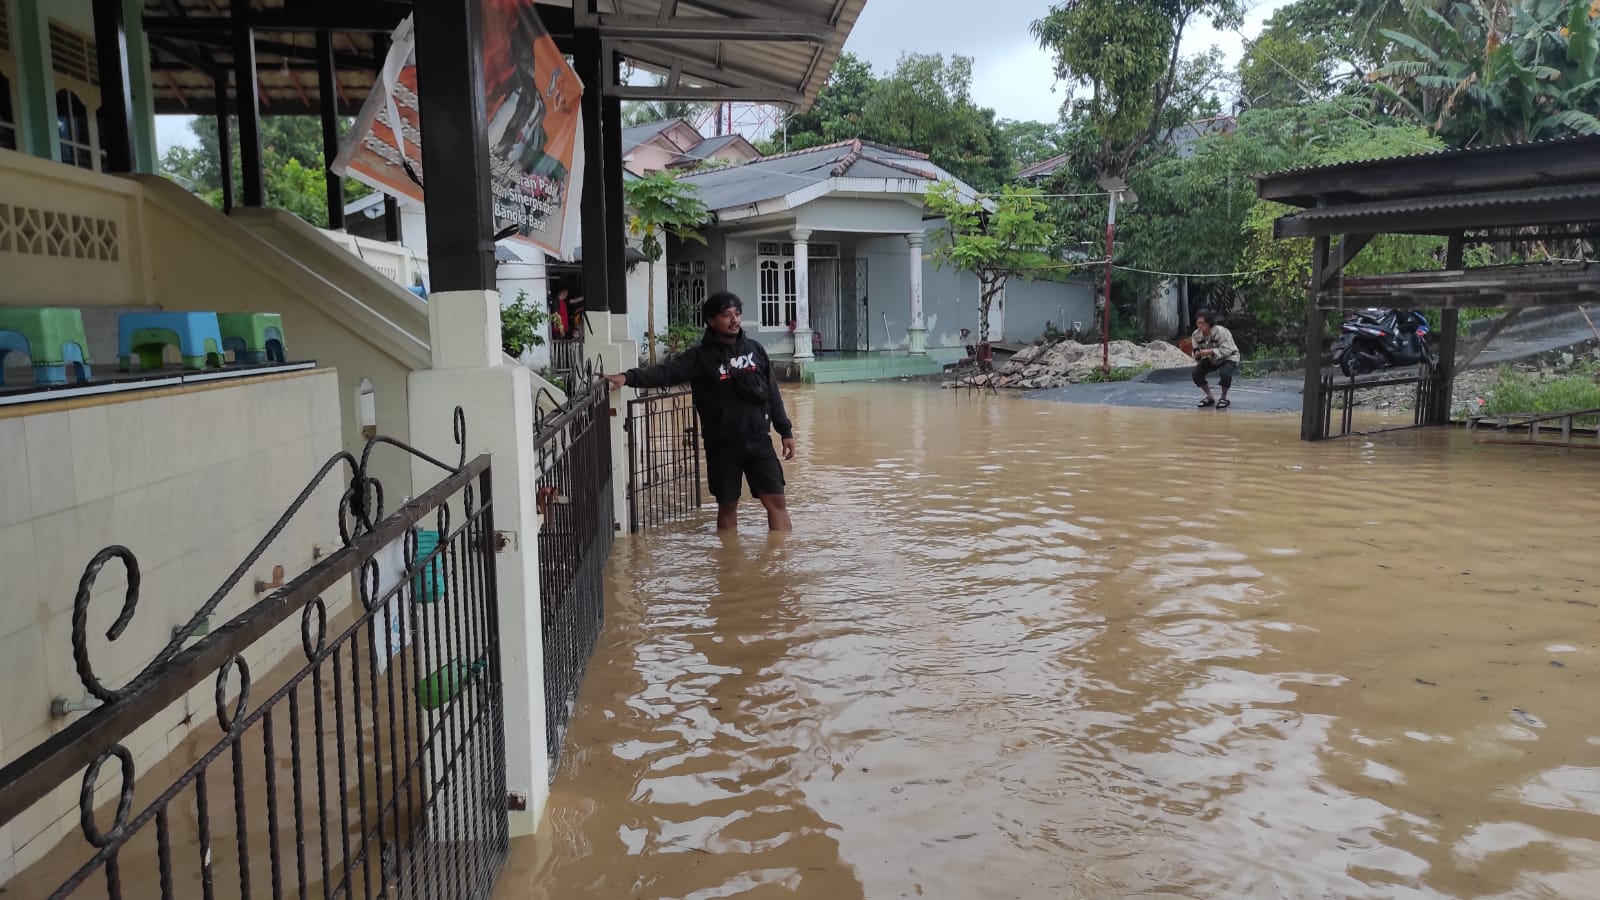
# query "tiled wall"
(189, 480)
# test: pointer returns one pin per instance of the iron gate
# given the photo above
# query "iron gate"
(577, 526)
(375, 765)
(663, 459)
(839, 303)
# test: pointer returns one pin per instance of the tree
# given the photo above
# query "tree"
(836, 114)
(1311, 50)
(1031, 142)
(926, 104)
(643, 112)
(1486, 72)
(661, 205)
(1126, 54)
(996, 239)
(291, 161)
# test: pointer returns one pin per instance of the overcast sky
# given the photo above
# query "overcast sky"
(1010, 72)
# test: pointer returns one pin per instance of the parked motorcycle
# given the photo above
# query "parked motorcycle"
(1373, 339)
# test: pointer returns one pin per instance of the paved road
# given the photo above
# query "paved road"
(1271, 394)
(1564, 331)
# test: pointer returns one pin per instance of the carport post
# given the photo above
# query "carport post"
(1312, 426)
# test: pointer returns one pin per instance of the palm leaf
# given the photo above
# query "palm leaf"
(1571, 120)
(1414, 45)
(1445, 30)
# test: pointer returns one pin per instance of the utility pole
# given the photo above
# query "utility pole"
(1117, 188)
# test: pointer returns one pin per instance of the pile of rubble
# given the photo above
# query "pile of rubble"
(1063, 362)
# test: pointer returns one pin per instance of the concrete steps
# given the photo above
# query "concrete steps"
(871, 367)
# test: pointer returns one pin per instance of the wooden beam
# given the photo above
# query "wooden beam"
(1483, 344)
(1313, 427)
(1349, 247)
(455, 144)
(247, 96)
(712, 28)
(224, 138)
(327, 96)
(708, 94)
(116, 97)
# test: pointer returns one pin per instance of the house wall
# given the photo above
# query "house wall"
(859, 214)
(650, 157)
(189, 479)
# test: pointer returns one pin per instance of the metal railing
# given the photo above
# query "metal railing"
(374, 765)
(566, 361)
(664, 483)
(1345, 389)
(577, 527)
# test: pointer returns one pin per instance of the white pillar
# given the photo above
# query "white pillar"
(917, 334)
(616, 352)
(802, 293)
(497, 402)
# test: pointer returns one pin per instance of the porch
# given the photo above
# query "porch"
(421, 431)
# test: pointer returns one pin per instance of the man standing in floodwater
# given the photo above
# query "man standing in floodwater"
(1214, 351)
(736, 397)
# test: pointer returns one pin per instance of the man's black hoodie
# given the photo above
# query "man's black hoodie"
(735, 390)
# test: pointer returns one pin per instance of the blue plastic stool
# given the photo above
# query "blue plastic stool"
(197, 336)
(433, 588)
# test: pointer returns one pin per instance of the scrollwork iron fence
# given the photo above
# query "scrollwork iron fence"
(577, 527)
(375, 765)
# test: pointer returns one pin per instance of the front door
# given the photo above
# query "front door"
(824, 275)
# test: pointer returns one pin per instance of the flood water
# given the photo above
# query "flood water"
(1023, 649)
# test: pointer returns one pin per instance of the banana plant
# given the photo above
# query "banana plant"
(1478, 73)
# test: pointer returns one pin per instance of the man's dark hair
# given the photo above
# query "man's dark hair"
(1209, 317)
(717, 303)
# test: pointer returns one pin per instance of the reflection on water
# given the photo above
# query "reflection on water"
(1020, 649)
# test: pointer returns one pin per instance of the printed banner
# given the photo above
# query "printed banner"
(534, 124)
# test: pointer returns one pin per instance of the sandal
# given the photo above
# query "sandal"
(1206, 402)
(1224, 403)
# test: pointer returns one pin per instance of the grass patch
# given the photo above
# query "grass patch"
(1514, 393)
(1124, 373)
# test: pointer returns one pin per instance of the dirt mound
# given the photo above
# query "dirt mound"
(1066, 361)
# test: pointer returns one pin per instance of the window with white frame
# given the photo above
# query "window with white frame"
(72, 124)
(776, 279)
(686, 292)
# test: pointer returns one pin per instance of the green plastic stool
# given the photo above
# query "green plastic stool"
(50, 336)
(253, 337)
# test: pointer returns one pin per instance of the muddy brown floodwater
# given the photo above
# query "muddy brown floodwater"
(1022, 649)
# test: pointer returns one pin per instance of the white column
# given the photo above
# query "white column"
(497, 401)
(917, 334)
(802, 293)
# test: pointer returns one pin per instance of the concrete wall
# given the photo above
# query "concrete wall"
(144, 242)
(189, 479)
(1031, 304)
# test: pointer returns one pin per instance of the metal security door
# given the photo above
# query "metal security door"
(852, 305)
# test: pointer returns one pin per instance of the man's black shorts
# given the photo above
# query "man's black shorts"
(754, 460)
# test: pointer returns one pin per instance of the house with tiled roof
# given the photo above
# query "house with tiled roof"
(676, 144)
(830, 247)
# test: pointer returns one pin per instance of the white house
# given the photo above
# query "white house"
(829, 248)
